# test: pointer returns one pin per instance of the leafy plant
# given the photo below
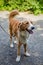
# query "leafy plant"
(36, 6)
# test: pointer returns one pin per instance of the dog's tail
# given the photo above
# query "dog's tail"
(13, 13)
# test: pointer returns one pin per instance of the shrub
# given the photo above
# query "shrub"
(36, 6)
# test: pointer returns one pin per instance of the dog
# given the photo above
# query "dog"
(21, 31)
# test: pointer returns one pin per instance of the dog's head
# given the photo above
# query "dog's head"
(28, 26)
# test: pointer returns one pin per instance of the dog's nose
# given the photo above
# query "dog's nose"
(32, 28)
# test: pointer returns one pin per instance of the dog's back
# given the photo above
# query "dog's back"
(13, 23)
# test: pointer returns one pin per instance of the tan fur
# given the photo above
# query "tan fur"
(14, 28)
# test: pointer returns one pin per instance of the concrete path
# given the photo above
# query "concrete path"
(35, 44)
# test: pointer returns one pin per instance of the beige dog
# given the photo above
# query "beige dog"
(21, 31)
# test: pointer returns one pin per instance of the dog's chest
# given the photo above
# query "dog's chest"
(23, 36)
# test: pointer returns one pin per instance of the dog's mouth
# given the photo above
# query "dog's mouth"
(30, 31)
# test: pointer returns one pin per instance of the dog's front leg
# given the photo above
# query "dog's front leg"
(18, 52)
(26, 53)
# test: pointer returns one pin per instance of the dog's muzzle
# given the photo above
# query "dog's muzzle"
(31, 30)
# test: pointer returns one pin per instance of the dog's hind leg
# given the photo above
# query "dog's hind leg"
(11, 44)
(15, 40)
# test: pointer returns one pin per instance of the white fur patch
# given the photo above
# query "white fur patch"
(27, 54)
(30, 25)
(11, 45)
(18, 58)
(15, 41)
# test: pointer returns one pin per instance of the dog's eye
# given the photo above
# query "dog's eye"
(31, 22)
(27, 22)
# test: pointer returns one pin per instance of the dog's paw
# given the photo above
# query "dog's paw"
(27, 54)
(11, 45)
(18, 59)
